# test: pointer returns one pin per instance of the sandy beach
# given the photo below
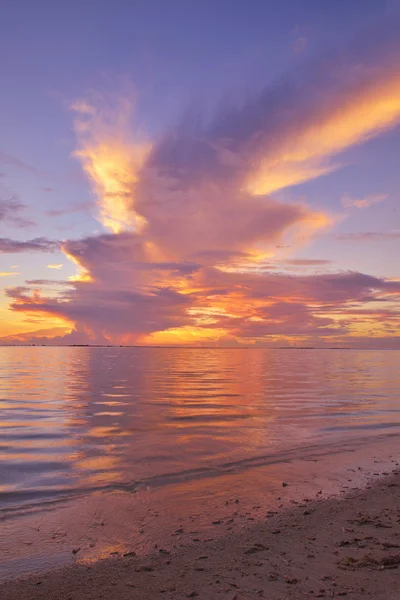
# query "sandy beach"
(331, 548)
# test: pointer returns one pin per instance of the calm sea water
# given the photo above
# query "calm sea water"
(74, 420)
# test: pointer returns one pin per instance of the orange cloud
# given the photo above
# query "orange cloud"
(111, 160)
(305, 152)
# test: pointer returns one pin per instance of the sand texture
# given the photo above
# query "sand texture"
(335, 548)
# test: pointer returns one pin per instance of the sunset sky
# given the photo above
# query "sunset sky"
(214, 172)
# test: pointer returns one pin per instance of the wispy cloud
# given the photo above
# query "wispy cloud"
(8, 273)
(350, 115)
(369, 236)
(349, 202)
(40, 244)
(13, 161)
(12, 212)
(49, 282)
(57, 266)
(299, 45)
(67, 210)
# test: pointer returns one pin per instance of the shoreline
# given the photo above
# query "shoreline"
(102, 525)
(329, 548)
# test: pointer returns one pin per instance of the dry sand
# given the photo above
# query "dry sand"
(335, 548)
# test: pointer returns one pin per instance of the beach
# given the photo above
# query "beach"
(345, 546)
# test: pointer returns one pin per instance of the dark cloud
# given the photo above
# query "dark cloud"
(184, 268)
(12, 211)
(104, 313)
(48, 282)
(40, 244)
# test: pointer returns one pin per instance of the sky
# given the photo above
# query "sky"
(200, 173)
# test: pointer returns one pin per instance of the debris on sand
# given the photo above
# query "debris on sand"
(368, 560)
(257, 547)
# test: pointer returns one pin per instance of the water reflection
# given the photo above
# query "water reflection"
(76, 419)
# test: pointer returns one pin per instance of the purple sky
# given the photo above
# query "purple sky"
(200, 172)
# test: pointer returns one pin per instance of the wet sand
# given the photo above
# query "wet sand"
(43, 535)
(331, 548)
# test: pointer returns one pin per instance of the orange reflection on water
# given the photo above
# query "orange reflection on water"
(82, 419)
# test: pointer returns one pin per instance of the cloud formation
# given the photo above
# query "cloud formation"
(192, 252)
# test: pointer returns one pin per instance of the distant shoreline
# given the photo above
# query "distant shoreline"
(193, 347)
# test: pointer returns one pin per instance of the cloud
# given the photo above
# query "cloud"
(110, 158)
(369, 236)
(346, 115)
(8, 273)
(104, 314)
(40, 244)
(206, 302)
(193, 226)
(53, 335)
(11, 212)
(57, 212)
(48, 282)
(349, 202)
(305, 262)
(298, 127)
(16, 162)
(299, 45)
(58, 266)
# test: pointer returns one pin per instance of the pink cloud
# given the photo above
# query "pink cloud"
(365, 202)
(194, 223)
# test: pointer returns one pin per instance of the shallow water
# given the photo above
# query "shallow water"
(76, 420)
